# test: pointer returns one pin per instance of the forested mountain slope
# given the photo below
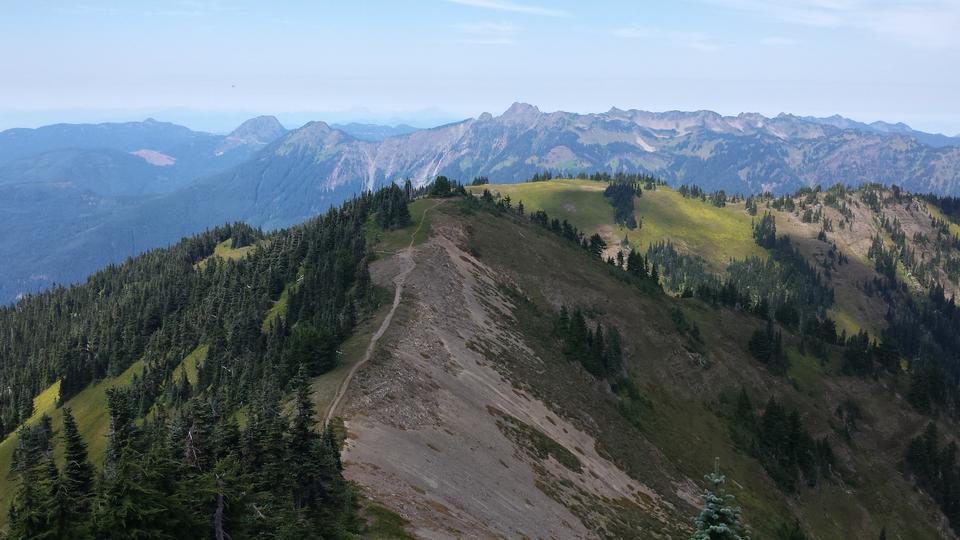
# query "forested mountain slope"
(61, 185)
(520, 385)
(171, 364)
(269, 177)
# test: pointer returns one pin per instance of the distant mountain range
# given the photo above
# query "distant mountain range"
(76, 197)
(373, 132)
(744, 153)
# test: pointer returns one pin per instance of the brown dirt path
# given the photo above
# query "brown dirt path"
(407, 265)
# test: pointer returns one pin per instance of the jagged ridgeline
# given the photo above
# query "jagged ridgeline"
(219, 330)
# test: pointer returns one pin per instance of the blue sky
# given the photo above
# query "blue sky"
(210, 63)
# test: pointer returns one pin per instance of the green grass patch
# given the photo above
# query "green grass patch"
(844, 321)
(935, 212)
(191, 364)
(392, 241)
(580, 202)
(534, 441)
(807, 374)
(45, 402)
(383, 523)
(227, 253)
(278, 309)
(716, 234)
(694, 226)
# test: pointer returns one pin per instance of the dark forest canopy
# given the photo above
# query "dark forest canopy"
(178, 460)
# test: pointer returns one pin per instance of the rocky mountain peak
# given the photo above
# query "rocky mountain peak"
(262, 129)
(521, 112)
(253, 134)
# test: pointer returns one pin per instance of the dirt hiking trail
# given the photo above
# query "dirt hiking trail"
(407, 265)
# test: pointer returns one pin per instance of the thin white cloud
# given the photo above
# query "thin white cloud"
(691, 40)
(513, 7)
(486, 33)
(922, 23)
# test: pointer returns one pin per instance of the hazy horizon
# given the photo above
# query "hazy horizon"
(226, 121)
(863, 59)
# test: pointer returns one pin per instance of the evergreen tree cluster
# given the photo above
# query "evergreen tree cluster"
(765, 231)
(949, 206)
(392, 210)
(766, 345)
(717, 198)
(935, 470)
(646, 180)
(189, 473)
(178, 463)
(160, 306)
(926, 332)
(885, 260)
(442, 187)
(793, 290)
(777, 439)
(784, 286)
(597, 350)
(594, 244)
(621, 195)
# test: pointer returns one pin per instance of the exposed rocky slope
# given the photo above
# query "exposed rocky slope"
(744, 153)
(468, 421)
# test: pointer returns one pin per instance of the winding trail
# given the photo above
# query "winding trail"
(407, 263)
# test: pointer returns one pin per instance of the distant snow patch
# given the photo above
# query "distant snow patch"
(645, 145)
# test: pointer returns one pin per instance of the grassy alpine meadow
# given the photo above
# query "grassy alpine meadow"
(694, 226)
(580, 202)
(716, 234)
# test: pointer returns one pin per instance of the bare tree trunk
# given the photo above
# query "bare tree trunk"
(218, 515)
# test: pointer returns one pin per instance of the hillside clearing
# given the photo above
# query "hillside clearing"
(694, 226)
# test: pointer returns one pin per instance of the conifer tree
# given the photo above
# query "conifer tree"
(596, 245)
(33, 513)
(719, 519)
(595, 360)
(303, 446)
(77, 471)
(613, 357)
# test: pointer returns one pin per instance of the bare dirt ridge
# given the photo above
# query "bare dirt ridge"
(467, 424)
(422, 439)
(407, 264)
